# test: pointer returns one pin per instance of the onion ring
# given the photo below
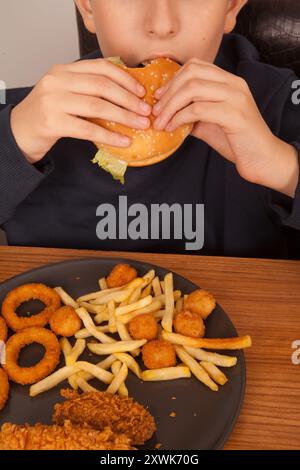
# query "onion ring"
(30, 375)
(28, 292)
(65, 321)
(4, 388)
(3, 330)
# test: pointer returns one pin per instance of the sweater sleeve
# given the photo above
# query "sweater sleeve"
(288, 209)
(285, 105)
(18, 178)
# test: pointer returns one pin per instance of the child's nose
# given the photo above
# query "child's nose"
(162, 21)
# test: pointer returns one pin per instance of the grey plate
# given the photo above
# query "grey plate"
(204, 419)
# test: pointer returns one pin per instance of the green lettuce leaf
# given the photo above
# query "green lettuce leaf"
(111, 164)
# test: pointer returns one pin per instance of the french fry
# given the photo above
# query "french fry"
(167, 373)
(215, 373)
(102, 283)
(176, 338)
(130, 362)
(84, 333)
(117, 297)
(208, 343)
(167, 321)
(76, 351)
(125, 336)
(148, 277)
(195, 368)
(118, 346)
(66, 349)
(230, 344)
(159, 314)
(179, 305)
(156, 287)
(90, 326)
(101, 317)
(111, 316)
(122, 391)
(52, 380)
(162, 285)
(156, 304)
(65, 297)
(65, 346)
(151, 308)
(105, 364)
(135, 306)
(146, 291)
(123, 332)
(214, 358)
(100, 374)
(162, 298)
(71, 355)
(95, 309)
(95, 295)
(135, 295)
(137, 282)
(85, 386)
(118, 380)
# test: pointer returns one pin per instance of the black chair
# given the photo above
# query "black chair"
(273, 26)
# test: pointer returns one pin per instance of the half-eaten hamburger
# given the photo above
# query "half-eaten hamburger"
(148, 146)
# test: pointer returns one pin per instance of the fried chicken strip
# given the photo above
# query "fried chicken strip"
(66, 437)
(101, 409)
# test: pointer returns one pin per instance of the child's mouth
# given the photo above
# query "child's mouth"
(146, 62)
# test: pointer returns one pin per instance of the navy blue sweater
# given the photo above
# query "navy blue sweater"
(54, 202)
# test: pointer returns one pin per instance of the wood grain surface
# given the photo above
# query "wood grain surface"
(262, 298)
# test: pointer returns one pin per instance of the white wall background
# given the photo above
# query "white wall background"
(35, 34)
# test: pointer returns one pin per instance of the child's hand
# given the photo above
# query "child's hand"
(56, 106)
(226, 118)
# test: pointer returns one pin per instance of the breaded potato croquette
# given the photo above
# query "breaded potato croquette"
(65, 322)
(189, 324)
(158, 353)
(200, 301)
(120, 274)
(143, 327)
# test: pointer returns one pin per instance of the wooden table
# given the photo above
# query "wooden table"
(262, 298)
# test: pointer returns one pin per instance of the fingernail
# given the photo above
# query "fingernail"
(157, 123)
(145, 107)
(140, 89)
(143, 122)
(157, 108)
(125, 140)
(159, 91)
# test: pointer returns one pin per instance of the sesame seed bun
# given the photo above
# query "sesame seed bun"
(148, 146)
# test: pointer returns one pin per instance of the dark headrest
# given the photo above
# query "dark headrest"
(273, 26)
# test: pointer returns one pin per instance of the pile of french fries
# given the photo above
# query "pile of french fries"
(108, 311)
